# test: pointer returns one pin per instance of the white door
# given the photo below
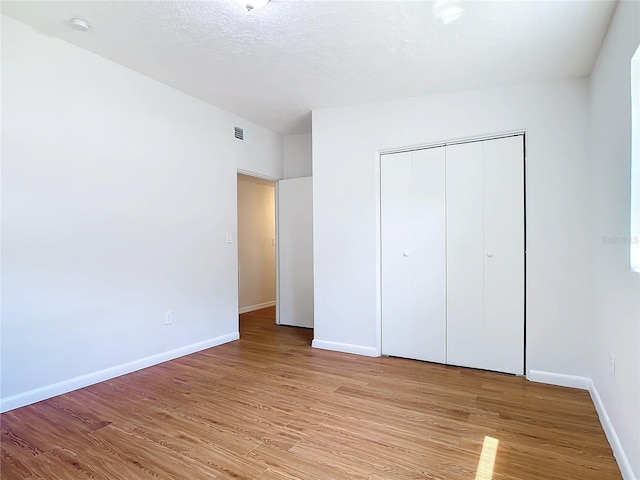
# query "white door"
(413, 254)
(485, 254)
(295, 252)
(504, 261)
(452, 226)
(465, 255)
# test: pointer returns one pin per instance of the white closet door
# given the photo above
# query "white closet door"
(295, 252)
(504, 254)
(485, 255)
(465, 255)
(413, 255)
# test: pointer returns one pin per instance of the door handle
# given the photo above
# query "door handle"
(405, 254)
(489, 254)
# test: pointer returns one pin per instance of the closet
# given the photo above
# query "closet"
(452, 245)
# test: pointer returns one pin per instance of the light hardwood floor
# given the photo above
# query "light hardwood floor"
(270, 407)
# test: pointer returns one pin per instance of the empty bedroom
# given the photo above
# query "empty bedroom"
(320, 239)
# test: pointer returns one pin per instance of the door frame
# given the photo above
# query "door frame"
(275, 192)
(378, 189)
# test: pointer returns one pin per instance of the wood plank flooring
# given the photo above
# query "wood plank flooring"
(270, 407)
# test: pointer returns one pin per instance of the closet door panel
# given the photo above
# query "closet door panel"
(429, 255)
(504, 254)
(465, 255)
(397, 281)
(413, 255)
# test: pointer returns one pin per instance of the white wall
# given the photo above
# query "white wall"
(261, 154)
(256, 252)
(346, 217)
(117, 192)
(297, 155)
(616, 288)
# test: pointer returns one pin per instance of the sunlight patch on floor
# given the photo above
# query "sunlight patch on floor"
(487, 459)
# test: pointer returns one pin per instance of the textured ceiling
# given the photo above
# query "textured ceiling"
(273, 66)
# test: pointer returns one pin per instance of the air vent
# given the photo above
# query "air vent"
(238, 133)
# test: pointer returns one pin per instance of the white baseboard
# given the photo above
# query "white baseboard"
(48, 391)
(559, 379)
(258, 306)
(345, 347)
(585, 383)
(612, 436)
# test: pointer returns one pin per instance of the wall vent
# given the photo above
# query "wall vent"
(238, 133)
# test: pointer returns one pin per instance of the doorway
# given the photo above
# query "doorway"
(256, 243)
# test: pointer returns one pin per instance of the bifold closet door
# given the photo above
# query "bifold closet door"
(413, 255)
(465, 255)
(485, 254)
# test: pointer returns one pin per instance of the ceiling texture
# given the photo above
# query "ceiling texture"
(274, 65)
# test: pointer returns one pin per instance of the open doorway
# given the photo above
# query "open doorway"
(256, 246)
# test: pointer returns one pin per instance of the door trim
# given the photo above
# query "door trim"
(424, 146)
(275, 193)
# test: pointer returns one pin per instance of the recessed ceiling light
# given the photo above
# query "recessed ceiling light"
(252, 4)
(79, 24)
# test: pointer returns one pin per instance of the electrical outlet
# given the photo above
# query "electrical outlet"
(612, 365)
(168, 317)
